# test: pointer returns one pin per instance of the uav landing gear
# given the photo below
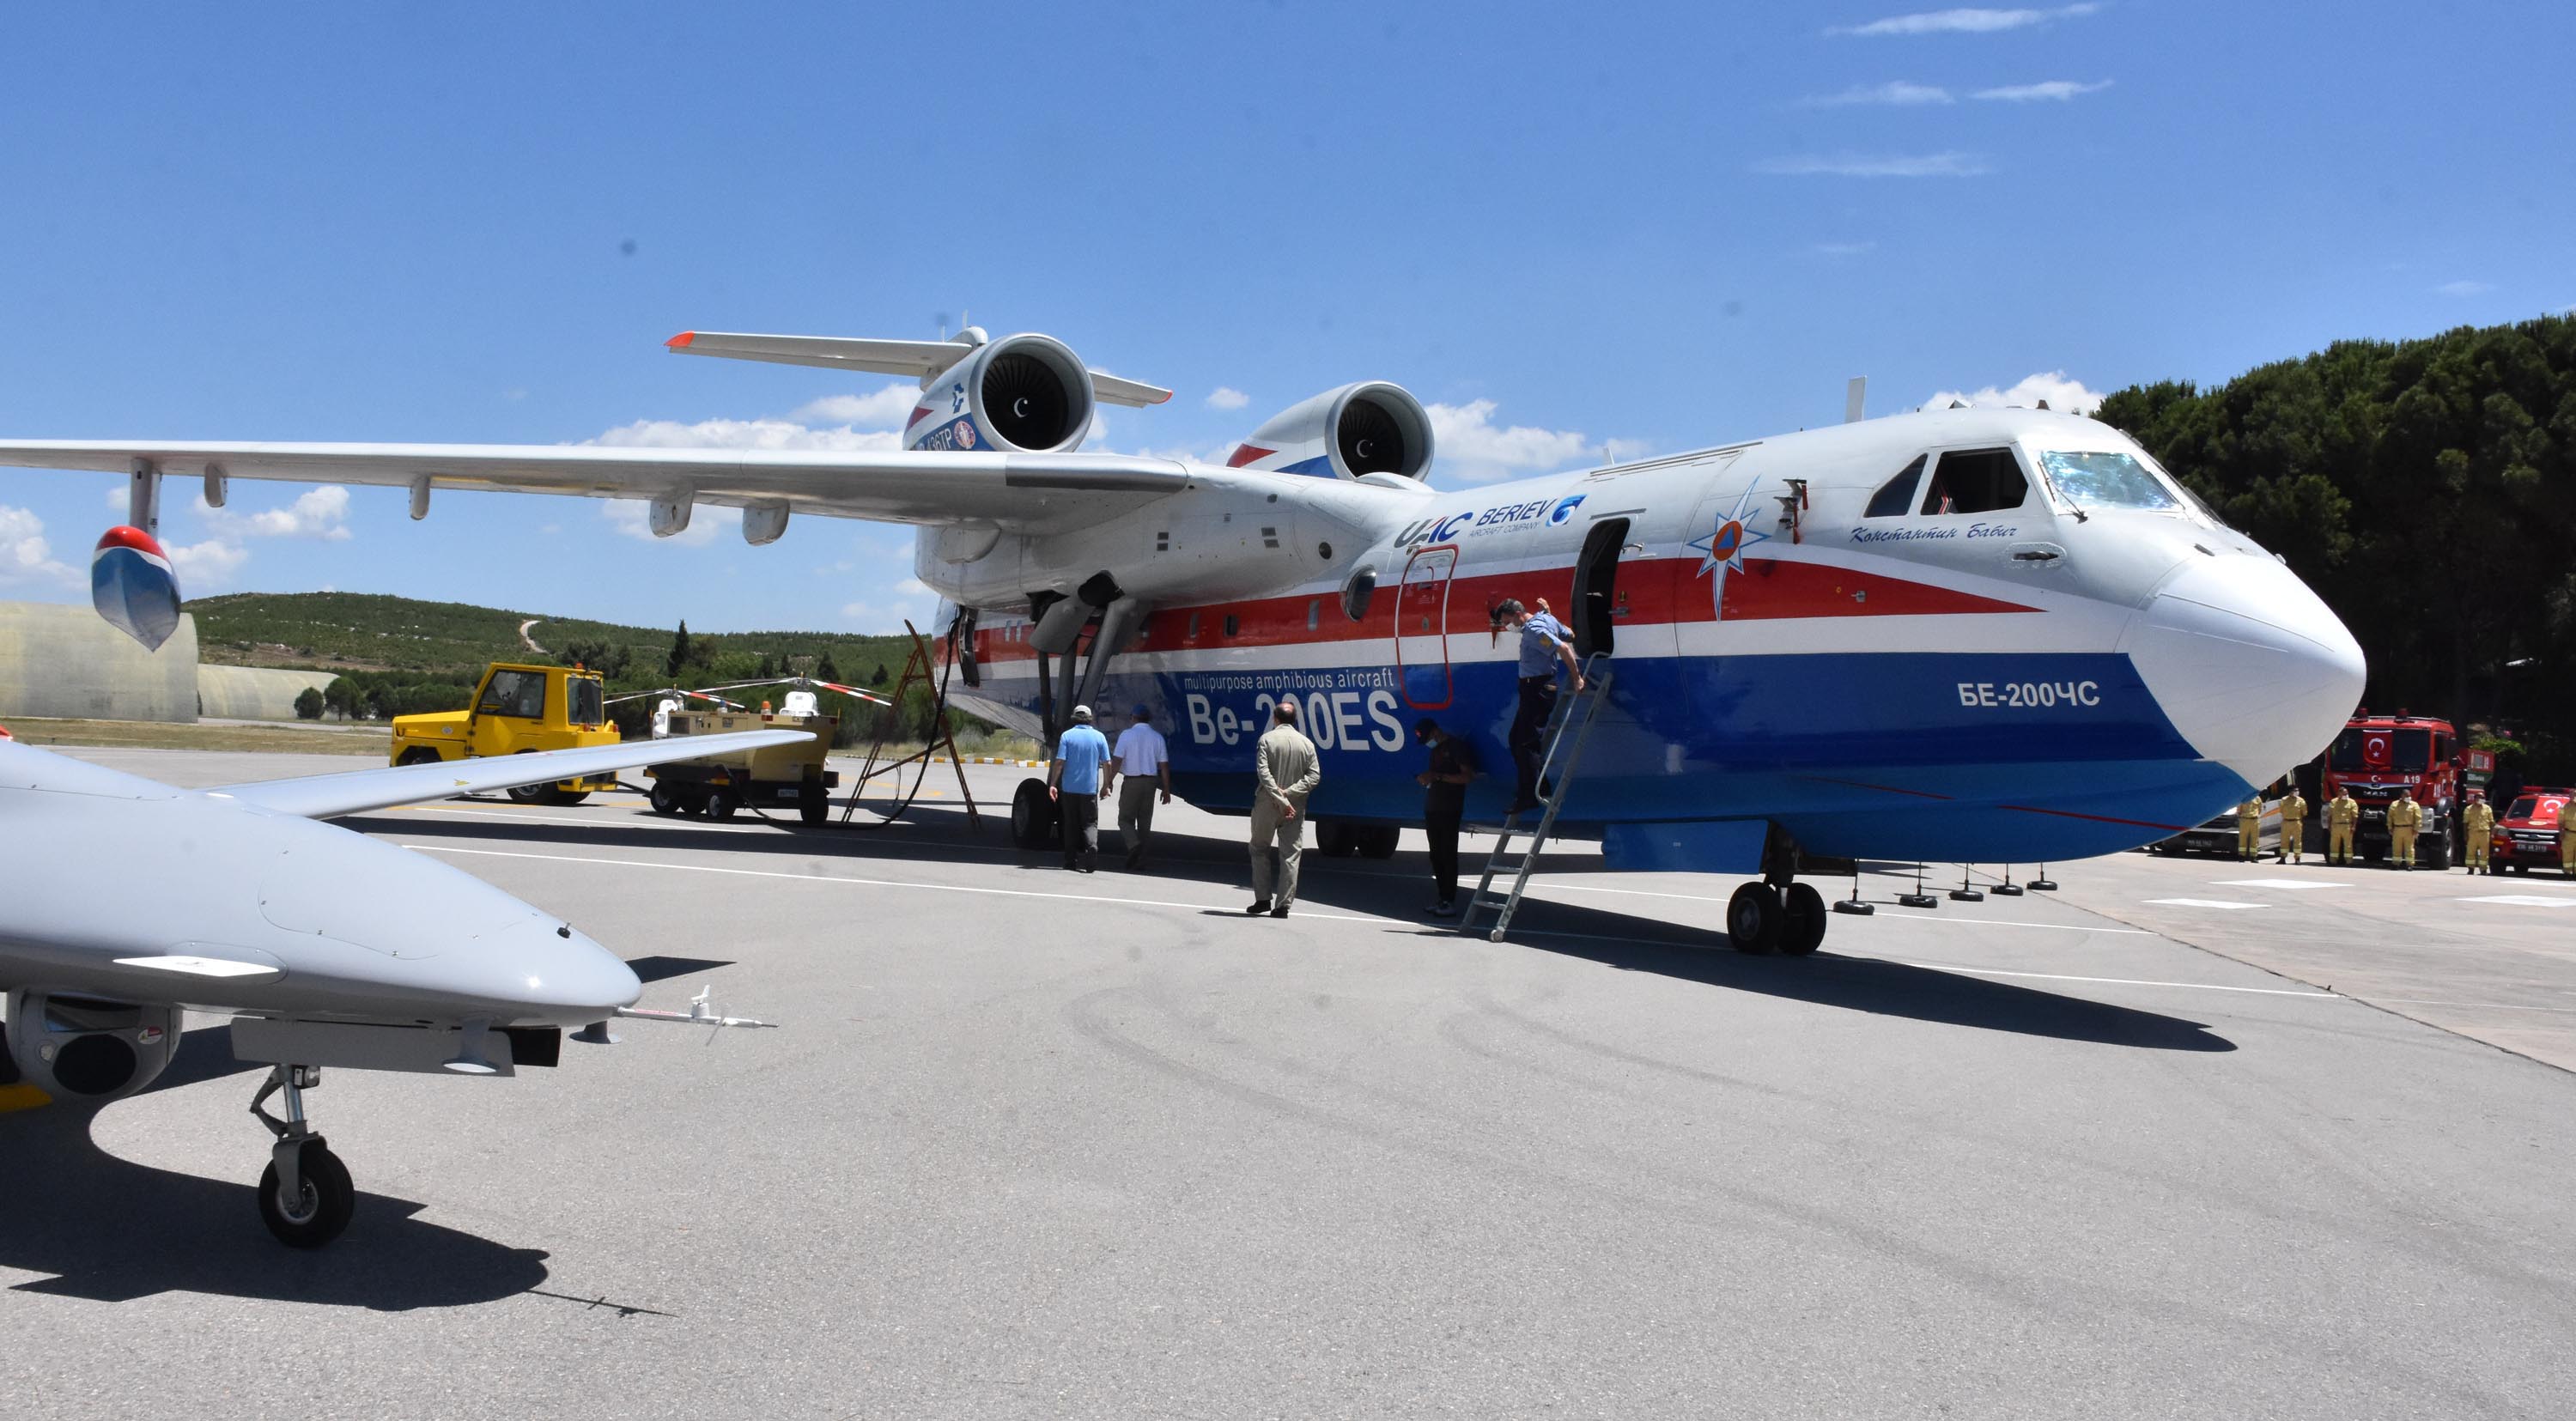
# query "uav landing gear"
(1764, 918)
(305, 1196)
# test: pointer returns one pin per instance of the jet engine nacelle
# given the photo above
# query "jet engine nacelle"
(1367, 428)
(1020, 393)
(83, 1048)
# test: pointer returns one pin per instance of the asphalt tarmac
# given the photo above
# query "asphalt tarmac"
(1040, 1144)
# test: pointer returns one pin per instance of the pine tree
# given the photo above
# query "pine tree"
(680, 648)
(881, 676)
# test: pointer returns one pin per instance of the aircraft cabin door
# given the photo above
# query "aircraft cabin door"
(1422, 628)
(1595, 612)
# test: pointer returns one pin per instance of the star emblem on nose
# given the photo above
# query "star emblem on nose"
(1722, 551)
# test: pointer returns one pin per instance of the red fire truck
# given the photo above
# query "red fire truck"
(2378, 756)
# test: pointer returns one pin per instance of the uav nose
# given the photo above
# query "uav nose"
(2247, 663)
(572, 978)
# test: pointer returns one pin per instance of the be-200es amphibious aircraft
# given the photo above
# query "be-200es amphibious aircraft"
(1970, 634)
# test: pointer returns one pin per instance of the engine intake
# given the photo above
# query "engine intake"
(85, 1048)
(1020, 393)
(1367, 428)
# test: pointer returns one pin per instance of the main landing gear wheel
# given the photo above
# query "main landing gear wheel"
(1336, 839)
(1033, 818)
(1754, 918)
(305, 1196)
(1378, 841)
(324, 1198)
(1803, 930)
(664, 801)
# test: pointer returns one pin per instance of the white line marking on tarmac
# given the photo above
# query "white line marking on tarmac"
(873, 882)
(2123, 981)
(2227, 903)
(2524, 900)
(2490, 1006)
(2293, 885)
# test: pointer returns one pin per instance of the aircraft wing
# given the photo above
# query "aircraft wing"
(1017, 492)
(327, 796)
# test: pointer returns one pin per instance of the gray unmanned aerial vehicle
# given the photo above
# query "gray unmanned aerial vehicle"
(128, 901)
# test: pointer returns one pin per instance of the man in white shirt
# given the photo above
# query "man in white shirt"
(1145, 763)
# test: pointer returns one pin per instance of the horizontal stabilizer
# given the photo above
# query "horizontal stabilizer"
(919, 359)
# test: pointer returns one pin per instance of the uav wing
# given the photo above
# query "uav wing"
(1016, 492)
(327, 796)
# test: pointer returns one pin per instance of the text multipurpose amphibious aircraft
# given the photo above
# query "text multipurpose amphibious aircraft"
(129, 900)
(1967, 634)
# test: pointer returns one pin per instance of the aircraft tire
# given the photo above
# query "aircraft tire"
(1802, 909)
(1378, 841)
(1033, 817)
(329, 1199)
(1335, 839)
(721, 804)
(1754, 918)
(664, 801)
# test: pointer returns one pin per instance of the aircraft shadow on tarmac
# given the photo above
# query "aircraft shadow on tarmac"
(111, 1231)
(1395, 887)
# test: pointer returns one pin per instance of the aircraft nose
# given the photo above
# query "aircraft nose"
(572, 977)
(2252, 669)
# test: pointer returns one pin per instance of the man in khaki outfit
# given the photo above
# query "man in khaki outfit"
(2249, 827)
(2343, 813)
(2294, 825)
(2477, 829)
(1285, 763)
(2405, 818)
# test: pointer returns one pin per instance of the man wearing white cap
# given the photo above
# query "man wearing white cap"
(1073, 779)
(1144, 762)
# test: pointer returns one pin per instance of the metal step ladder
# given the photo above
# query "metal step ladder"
(1574, 714)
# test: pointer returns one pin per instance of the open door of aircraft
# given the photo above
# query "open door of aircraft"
(1422, 627)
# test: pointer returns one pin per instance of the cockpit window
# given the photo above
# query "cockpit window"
(2105, 479)
(1897, 494)
(1975, 481)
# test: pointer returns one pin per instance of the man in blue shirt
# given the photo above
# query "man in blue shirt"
(1544, 644)
(1073, 781)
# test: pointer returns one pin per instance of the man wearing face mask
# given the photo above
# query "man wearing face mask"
(1444, 804)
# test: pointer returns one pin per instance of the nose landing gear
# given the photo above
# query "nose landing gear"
(1764, 918)
(305, 1196)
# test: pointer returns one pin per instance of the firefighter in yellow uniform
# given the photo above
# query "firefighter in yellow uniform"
(2343, 814)
(2567, 838)
(2477, 821)
(2294, 825)
(2249, 827)
(2404, 818)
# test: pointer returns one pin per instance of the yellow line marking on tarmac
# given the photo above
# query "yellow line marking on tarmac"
(874, 882)
(22, 1096)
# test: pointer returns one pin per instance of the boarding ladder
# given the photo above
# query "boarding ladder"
(1574, 715)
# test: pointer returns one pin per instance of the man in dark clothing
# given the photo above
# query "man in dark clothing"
(1444, 804)
(1544, 644)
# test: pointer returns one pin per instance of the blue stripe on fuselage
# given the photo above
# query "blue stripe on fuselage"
(1951, 756)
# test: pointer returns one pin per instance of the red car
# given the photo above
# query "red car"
(2527, 832)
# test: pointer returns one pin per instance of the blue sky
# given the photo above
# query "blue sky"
(1569, 229)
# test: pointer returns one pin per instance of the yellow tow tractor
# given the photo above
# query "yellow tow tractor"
(517, 709)
(778, 775)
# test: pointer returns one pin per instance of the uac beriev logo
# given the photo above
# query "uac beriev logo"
(1564, 510)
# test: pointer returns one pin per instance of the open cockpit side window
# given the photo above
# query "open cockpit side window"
(1897, 494)
(1975, 481)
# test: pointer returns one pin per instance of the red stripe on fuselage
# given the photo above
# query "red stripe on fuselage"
(1650, 592)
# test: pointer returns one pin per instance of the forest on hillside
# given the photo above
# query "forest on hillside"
(2427, 490)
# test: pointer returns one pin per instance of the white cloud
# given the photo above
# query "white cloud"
(743, 434)
(2064, 393)
(316, 513)
(1226, 397)
(2465, 288)
(1963, 22)
(205, 566)
(887, 608)
(25, 555)
(1470, 447)
(1845, 249)
(2059, 90)
(883, 409)
(1897, 92)
(1892, 165)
